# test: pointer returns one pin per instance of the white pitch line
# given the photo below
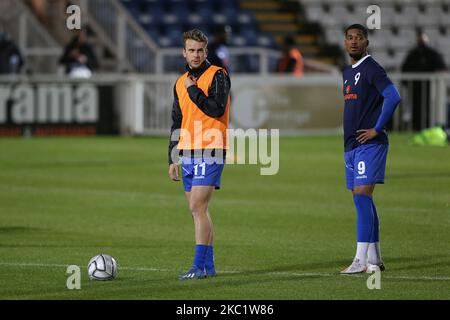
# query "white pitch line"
(296, 274)
(145, 269)
(362, 275)
(20, 264)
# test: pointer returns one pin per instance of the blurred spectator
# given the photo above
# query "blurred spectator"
(422, 58)
(79, 58)
(218, 53)
(11, 61)
(292, 59)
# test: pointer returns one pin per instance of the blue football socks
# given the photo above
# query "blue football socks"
(376, 225)
(209, 263)
(365, 217)
(200, 255)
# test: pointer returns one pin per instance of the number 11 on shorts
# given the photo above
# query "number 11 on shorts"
(202, 166)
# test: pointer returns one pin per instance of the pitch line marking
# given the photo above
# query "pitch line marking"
(299, 274)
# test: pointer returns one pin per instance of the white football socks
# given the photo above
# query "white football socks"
(374, 253)
(361, 252)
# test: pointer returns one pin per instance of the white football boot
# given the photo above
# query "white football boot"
(355, 267)
(375, 267)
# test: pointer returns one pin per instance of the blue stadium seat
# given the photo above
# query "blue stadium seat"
(203, 27)
(196, 5)
(173, 31)
(177, 7)
(171, 19)
(165, 41)
(245, 18)
(231, 15)
(153, 32)
(134, 12)
(205, 13)
(266, 41)
(251, 37)
(238, 41)
(165, 20)
(221, 5)
(146, 19)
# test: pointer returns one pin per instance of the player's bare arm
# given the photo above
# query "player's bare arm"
(174, 172)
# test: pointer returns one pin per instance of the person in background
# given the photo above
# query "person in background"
(11, 61)
(218, 53)
(422, 58)
(292, 59)
(79, 57)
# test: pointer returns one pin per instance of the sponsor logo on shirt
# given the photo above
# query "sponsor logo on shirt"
(348, 95)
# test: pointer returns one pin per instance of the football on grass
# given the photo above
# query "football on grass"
(102, 267)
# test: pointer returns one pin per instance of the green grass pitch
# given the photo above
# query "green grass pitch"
(64, 200)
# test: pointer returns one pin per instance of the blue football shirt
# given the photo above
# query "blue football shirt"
(363, 84)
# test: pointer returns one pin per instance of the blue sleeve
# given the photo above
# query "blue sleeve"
(391, 100)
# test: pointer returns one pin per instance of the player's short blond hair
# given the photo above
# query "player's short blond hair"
(195, 35)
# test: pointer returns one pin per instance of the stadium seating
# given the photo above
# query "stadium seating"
(165, 20)
(400, 20)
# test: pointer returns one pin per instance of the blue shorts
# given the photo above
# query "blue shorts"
(201, 172)
(365, 165)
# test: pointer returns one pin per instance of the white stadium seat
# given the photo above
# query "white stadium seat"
(403, 16)
(407, 16)
(433, 34)
(430, 16)
(314, 12)
(405, 38)
(335, 36)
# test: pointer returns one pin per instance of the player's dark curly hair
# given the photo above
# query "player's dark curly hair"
(359, 27)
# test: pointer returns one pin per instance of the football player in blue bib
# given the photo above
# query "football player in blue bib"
(370, 101)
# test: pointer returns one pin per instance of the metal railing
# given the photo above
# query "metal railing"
(425, 100)
(311, 104)
(40, 51)
(134, 48)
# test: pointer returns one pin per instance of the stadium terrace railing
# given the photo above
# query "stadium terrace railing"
(312, 104)
(433, 99)
(40, 51)
(133, 44)
(135, 49)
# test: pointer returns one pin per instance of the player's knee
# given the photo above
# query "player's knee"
(363, 190)
(198, 208)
